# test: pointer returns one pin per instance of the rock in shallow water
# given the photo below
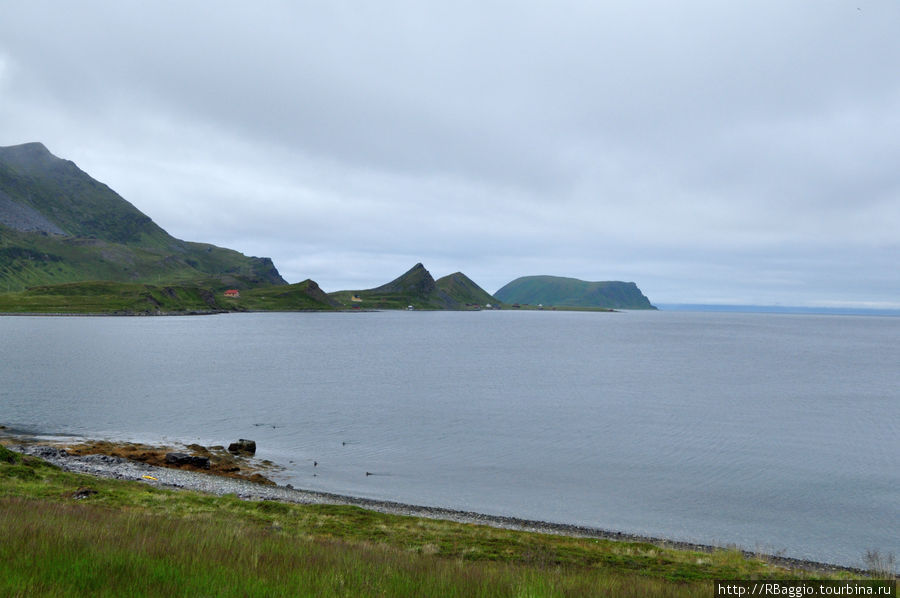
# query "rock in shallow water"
(243, 446)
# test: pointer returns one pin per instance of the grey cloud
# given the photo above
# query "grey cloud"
(587, 139)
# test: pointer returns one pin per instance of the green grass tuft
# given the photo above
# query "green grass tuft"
(8, 456)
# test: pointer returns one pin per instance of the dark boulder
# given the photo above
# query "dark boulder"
(83, 492)
(179, 459)
(243, 447)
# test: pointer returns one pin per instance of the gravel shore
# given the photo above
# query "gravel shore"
(124, 469)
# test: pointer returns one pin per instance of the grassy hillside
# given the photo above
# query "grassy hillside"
(73, 535)
(106, 297)
(464, 290)
(414, 288)
(571, 292)
(57, 225)
(31, 259)
(302, 296)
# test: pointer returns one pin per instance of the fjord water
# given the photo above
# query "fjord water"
(776, 433)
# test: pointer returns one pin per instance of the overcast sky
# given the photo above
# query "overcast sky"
(710, 151)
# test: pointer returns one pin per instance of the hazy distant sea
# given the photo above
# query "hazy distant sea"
(775, 432)
(781, 309)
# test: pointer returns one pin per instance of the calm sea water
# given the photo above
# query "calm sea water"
(772, 432)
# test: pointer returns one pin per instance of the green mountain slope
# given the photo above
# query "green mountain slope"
(113, 298)
(414, 288)
(59, 225)
(301, 296)
(110, 297)
(462, 289)
(571, 292)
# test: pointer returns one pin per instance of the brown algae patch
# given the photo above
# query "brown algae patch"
(221, 462)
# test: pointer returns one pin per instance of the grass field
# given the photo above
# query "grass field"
(105, 297)
(127, 298)
(72, 535)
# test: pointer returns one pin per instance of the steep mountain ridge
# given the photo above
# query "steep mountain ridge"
(464, 290)
(71, 199)
(417, 288)
(416, 281)
(59, 225)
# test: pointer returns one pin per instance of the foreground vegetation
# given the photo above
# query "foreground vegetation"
(73, 535)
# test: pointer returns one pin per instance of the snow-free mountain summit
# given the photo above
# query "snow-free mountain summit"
(59, 225)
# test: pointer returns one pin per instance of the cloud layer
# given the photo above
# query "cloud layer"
(708, 151)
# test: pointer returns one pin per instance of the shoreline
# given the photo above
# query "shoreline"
(102, 465)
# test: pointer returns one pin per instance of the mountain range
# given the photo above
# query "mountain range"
(418, 289)
(70, 243)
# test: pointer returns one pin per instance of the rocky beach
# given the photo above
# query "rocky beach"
(244, 480)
